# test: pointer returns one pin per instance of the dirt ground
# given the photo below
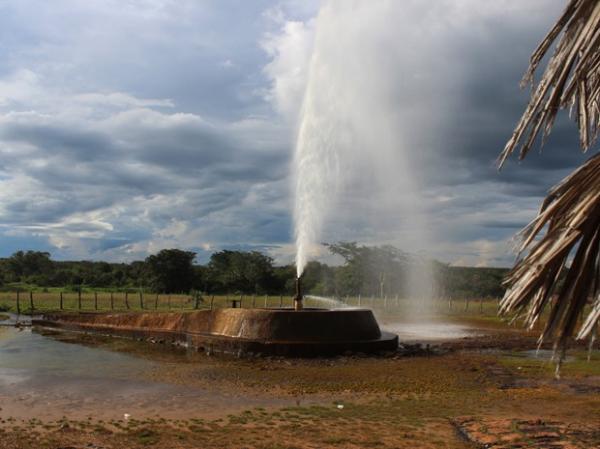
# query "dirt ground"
(485, 391)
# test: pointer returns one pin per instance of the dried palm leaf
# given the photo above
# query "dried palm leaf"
(571, 217)
(562, 267)
(570, 80)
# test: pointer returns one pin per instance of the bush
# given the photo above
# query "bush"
(4, 307)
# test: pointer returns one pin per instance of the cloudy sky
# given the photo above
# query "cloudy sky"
(131, 126)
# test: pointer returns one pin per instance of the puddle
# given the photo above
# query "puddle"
(50, 378)
(430, 331)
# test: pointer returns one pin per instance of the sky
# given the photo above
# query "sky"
(131, 126)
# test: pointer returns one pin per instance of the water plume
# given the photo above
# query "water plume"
(353, 167)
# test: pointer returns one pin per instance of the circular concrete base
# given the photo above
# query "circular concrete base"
(283, 332)
(286, 332)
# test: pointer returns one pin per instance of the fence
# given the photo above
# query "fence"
(31, 302)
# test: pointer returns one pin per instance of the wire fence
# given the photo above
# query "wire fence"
(30, 302)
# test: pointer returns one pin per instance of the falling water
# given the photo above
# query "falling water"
(353, 167)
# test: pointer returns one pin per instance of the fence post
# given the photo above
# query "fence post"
(169, 302)
(280, 301)
(18, 303)
(95, 300)
(156, 302)
(266, 300)
(79, 298)
(127, 300)
(31, 301)
(61, 300)
(466, 304)
(241, 301)
(212, 300)
(141, 300)
(385, 302)
(359, 300)
(253, 301)
(112, 301)
(481, 305)
(397, 303)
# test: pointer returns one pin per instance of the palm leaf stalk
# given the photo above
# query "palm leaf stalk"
(561, 268)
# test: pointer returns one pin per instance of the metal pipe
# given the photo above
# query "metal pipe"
(298, 299)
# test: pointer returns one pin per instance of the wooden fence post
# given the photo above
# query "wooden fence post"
(481, 305)
(18, 303)
(253, 301)
(156, 302)
(280, 301)
(79, 298)
(95, 300)
(112, 301)
(266, 301)
(31, 301)
(359, 300)
(169, 302)
(141, 300)
(61, 300)
(241, 301)
(212, 300)
(127, 300)
(385, 302)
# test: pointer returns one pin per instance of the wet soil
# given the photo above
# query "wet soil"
(475, 391)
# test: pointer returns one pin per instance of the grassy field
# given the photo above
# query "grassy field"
(27, 302)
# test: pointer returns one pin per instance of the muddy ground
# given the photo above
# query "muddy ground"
(487, 390)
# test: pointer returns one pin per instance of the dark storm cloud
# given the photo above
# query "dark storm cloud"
(129, 127)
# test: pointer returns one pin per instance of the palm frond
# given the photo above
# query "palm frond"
(570, 80)
(570, 249)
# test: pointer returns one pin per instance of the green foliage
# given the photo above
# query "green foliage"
(240, 272)
(171, 271)
(366, 270)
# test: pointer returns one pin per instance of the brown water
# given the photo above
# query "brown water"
(47, 378)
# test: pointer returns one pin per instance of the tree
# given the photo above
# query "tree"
(171, 270)
(562, 245)
(240, 271)
(376, 270)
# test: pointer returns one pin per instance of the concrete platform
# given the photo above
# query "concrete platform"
(283, 332)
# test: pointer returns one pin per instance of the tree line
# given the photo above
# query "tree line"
(366, 270)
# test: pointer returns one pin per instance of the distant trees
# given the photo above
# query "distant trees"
(171, 271)
(241, 272)
(365, 270)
